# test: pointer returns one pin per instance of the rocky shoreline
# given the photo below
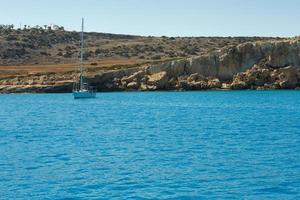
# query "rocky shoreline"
(255, 78)
(251, 65)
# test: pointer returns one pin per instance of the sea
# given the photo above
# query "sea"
(151, 145)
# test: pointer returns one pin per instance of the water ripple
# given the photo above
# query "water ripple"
(173, 145)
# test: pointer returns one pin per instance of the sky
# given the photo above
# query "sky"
(161, 17)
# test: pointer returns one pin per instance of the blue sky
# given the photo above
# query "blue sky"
(161, 17)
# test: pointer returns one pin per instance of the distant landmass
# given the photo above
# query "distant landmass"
(45, 59)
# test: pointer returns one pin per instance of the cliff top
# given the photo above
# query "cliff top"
(54, 49)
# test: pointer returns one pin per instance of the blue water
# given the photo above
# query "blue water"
(166, 145)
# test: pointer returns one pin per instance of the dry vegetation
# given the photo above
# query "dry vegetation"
(52, 49)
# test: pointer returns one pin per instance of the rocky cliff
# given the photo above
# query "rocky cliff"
(252, 65)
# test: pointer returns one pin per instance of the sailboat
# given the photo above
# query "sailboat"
(82, 89)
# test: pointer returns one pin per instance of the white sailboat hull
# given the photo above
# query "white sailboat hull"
(84, 94)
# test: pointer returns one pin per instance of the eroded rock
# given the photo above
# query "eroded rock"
(133, 85)
(159, 79)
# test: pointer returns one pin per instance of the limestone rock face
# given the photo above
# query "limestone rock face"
(239, 85)
(197, 82)
(227, 62)
(281, 54)
(251, 65)
(159, 79)
(288, 78)
(172, 68)
(199, 85)
(214, 83)
(133, 85)
(134, 77)
(195, 77)
(267, 78)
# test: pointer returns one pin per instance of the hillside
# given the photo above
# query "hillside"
(46, 60)
(53, 49)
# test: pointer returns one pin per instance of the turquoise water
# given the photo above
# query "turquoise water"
(166, 145)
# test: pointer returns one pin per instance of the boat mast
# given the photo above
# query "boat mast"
(81, 55)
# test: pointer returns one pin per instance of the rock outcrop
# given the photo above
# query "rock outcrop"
(257, 65)
(229, 61)
(267, 78)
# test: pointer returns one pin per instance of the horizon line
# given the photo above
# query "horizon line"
(17, 26)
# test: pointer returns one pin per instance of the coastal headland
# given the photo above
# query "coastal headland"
(44, 59)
